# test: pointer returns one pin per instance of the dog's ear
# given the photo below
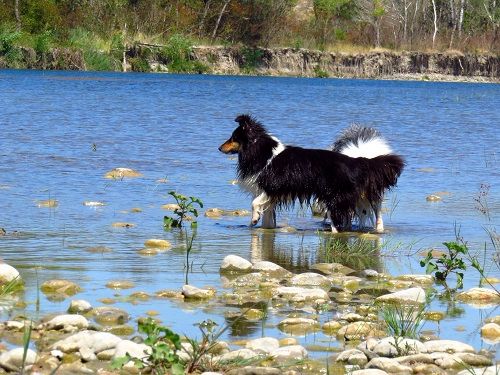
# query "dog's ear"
(244, 120)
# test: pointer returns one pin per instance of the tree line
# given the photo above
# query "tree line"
(466, 25)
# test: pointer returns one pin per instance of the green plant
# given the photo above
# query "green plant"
(185, 205)
(26, 342)
(162, 358)
(354, 252)
(177, 53)
(403, 321)
(9, 36)
(251, 59)
(11, 287)
(320, 73)
(447, 264)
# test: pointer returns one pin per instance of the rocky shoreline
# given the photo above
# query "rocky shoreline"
(381, 65)
(87, 339)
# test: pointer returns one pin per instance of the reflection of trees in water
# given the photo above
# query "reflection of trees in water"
(241, 327)
(351, 250)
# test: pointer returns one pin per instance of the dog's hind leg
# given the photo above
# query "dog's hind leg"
(379, 223)
(334, 230)
(269, 217)
(259, 205)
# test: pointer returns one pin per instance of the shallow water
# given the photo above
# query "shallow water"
(62, 131)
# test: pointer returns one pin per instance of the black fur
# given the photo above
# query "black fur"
(296, 173)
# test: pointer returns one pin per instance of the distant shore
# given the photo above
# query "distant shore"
(292, 62)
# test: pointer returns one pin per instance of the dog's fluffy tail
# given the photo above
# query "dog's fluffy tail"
(383, 174)
(361, 141)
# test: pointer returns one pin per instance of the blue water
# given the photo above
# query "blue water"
(60, 132)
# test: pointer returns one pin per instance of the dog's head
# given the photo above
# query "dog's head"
(247, 132)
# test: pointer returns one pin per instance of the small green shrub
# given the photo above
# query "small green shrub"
(186, 205)
(447, 264)
(177, 55)
(163, 357)
(139, 64)
(12, 54)
(251, 59)
(320, 73)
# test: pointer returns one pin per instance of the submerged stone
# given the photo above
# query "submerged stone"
(49, 203)
(120, 284)
(192, 292)
(360, 330)
(121, 173)
(479, 296)
(158, 243)
(108, 315)
(122, 225)
(60, 287)
(98, 249)
(491, 331)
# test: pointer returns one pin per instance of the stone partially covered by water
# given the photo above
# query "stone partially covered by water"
(14, 359)
(121, 173)
(412, 295)
(108, 315)
(479, 296)
(235, 264)
(8, 274)
(67, 323)
(491, 331)
(194, 293)
(61, 287)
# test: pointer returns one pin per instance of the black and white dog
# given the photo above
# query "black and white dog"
(361, 141)
(278, 175)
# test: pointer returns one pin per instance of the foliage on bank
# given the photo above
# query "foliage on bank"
(108, 35)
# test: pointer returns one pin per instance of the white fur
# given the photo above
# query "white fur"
(261, 205)
(370, 149)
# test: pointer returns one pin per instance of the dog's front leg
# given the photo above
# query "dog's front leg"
(258, 207)
(269, 217)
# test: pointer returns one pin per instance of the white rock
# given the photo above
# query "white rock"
(235, 263)
(235, 355)
(67, 323)
(389, 365)
(266, 266)
(353, 357)
(8, 273)
(387, 347)
(408, 295)
(96, 341)
(448, 346)
(79, 306)
(310, 278)
(288, 353)
(192, 292)
(13, 359)
(135, 350)
(298, 321)
(369, 371)
(479, 296)
(264, 345)
(298, 294)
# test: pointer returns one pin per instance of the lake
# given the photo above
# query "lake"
(61, 132)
